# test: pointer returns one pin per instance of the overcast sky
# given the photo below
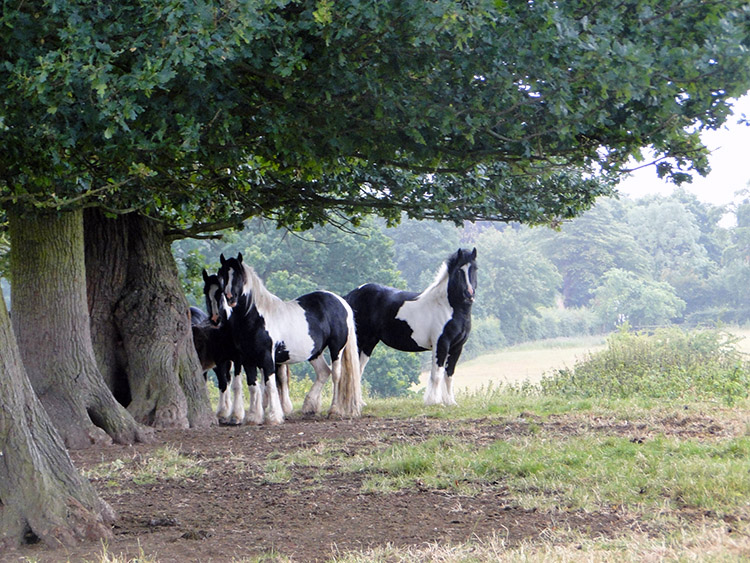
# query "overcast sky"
(730, 165)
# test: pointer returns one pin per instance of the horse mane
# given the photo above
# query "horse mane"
(438, 287)
(264, 300)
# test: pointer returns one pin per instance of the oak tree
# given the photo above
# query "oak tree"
(197, 115)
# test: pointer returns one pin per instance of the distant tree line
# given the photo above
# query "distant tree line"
(646, 262)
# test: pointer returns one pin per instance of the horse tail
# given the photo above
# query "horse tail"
(351, 384)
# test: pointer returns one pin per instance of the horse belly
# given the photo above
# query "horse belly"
(401, 339)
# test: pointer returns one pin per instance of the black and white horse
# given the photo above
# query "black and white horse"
(215, 347)
(269, 331)
(438, 319)
(220, 343)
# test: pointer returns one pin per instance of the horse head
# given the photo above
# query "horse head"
(216, 304)
(462, 276)
(232, 276)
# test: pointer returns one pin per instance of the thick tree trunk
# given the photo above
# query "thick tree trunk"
(142, 319)
(106, 251)
(51, 324)
(42, 496)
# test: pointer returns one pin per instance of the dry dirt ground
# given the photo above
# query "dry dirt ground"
(232, 511)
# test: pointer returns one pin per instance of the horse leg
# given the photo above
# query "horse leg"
(336, 407)
(436, 390)
(363, 359)
(322, 372)
(274, 413)
(255, 414)
(238, 398)
(282, 380)
(450, 367)
(223, 409)
(366, 347)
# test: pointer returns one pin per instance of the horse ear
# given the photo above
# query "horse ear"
(474, 253)
(221, 257)
(239, 257)
(205, 275)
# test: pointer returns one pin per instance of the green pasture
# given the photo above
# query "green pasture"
(532, 360)
(524, 362)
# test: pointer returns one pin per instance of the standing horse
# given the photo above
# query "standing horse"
(270, 331)
(219, 343)
(438, 319)
(213, 342)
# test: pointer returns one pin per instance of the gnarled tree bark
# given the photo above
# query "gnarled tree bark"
(141, 321)
(42, 495)
(52, 328)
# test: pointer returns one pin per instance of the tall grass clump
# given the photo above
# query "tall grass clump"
(667, 363)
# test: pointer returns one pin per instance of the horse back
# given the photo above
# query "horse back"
(326, 317)
(375, 308)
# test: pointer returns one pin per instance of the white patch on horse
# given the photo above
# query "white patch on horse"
(285, 321)
(274, 414)
(286, 401)
(311, 404)
(428, 313)
(255, 413)
(466, 268)
(436, 391)
(238, 406)
(228, 290)
(217, 306)
(223, 410)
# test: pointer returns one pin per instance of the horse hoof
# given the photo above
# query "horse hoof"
(252, 422)
(309, 408)
(230, 422)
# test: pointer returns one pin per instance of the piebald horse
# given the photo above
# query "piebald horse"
(219, 343)
(269, 331)
(213, 341)
(437, 319)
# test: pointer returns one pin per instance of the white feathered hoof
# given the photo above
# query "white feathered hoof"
(274, 420)
(253, 419)
(310, 407)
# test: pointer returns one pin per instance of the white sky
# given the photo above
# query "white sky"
(730, 165)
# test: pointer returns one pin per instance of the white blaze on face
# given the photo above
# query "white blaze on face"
(225, 306)
(217, 303)
(228, 288)
(466, 268)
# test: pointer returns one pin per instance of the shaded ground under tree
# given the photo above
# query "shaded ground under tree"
(235, 509)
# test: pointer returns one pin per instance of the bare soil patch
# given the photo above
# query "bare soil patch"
(232, 511)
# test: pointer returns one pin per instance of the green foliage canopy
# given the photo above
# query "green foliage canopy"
(204, 113)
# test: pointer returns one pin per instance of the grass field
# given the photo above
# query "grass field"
(552, 472)
(530, 361)
(525, 362)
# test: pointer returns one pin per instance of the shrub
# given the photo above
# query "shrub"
(668, 363)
